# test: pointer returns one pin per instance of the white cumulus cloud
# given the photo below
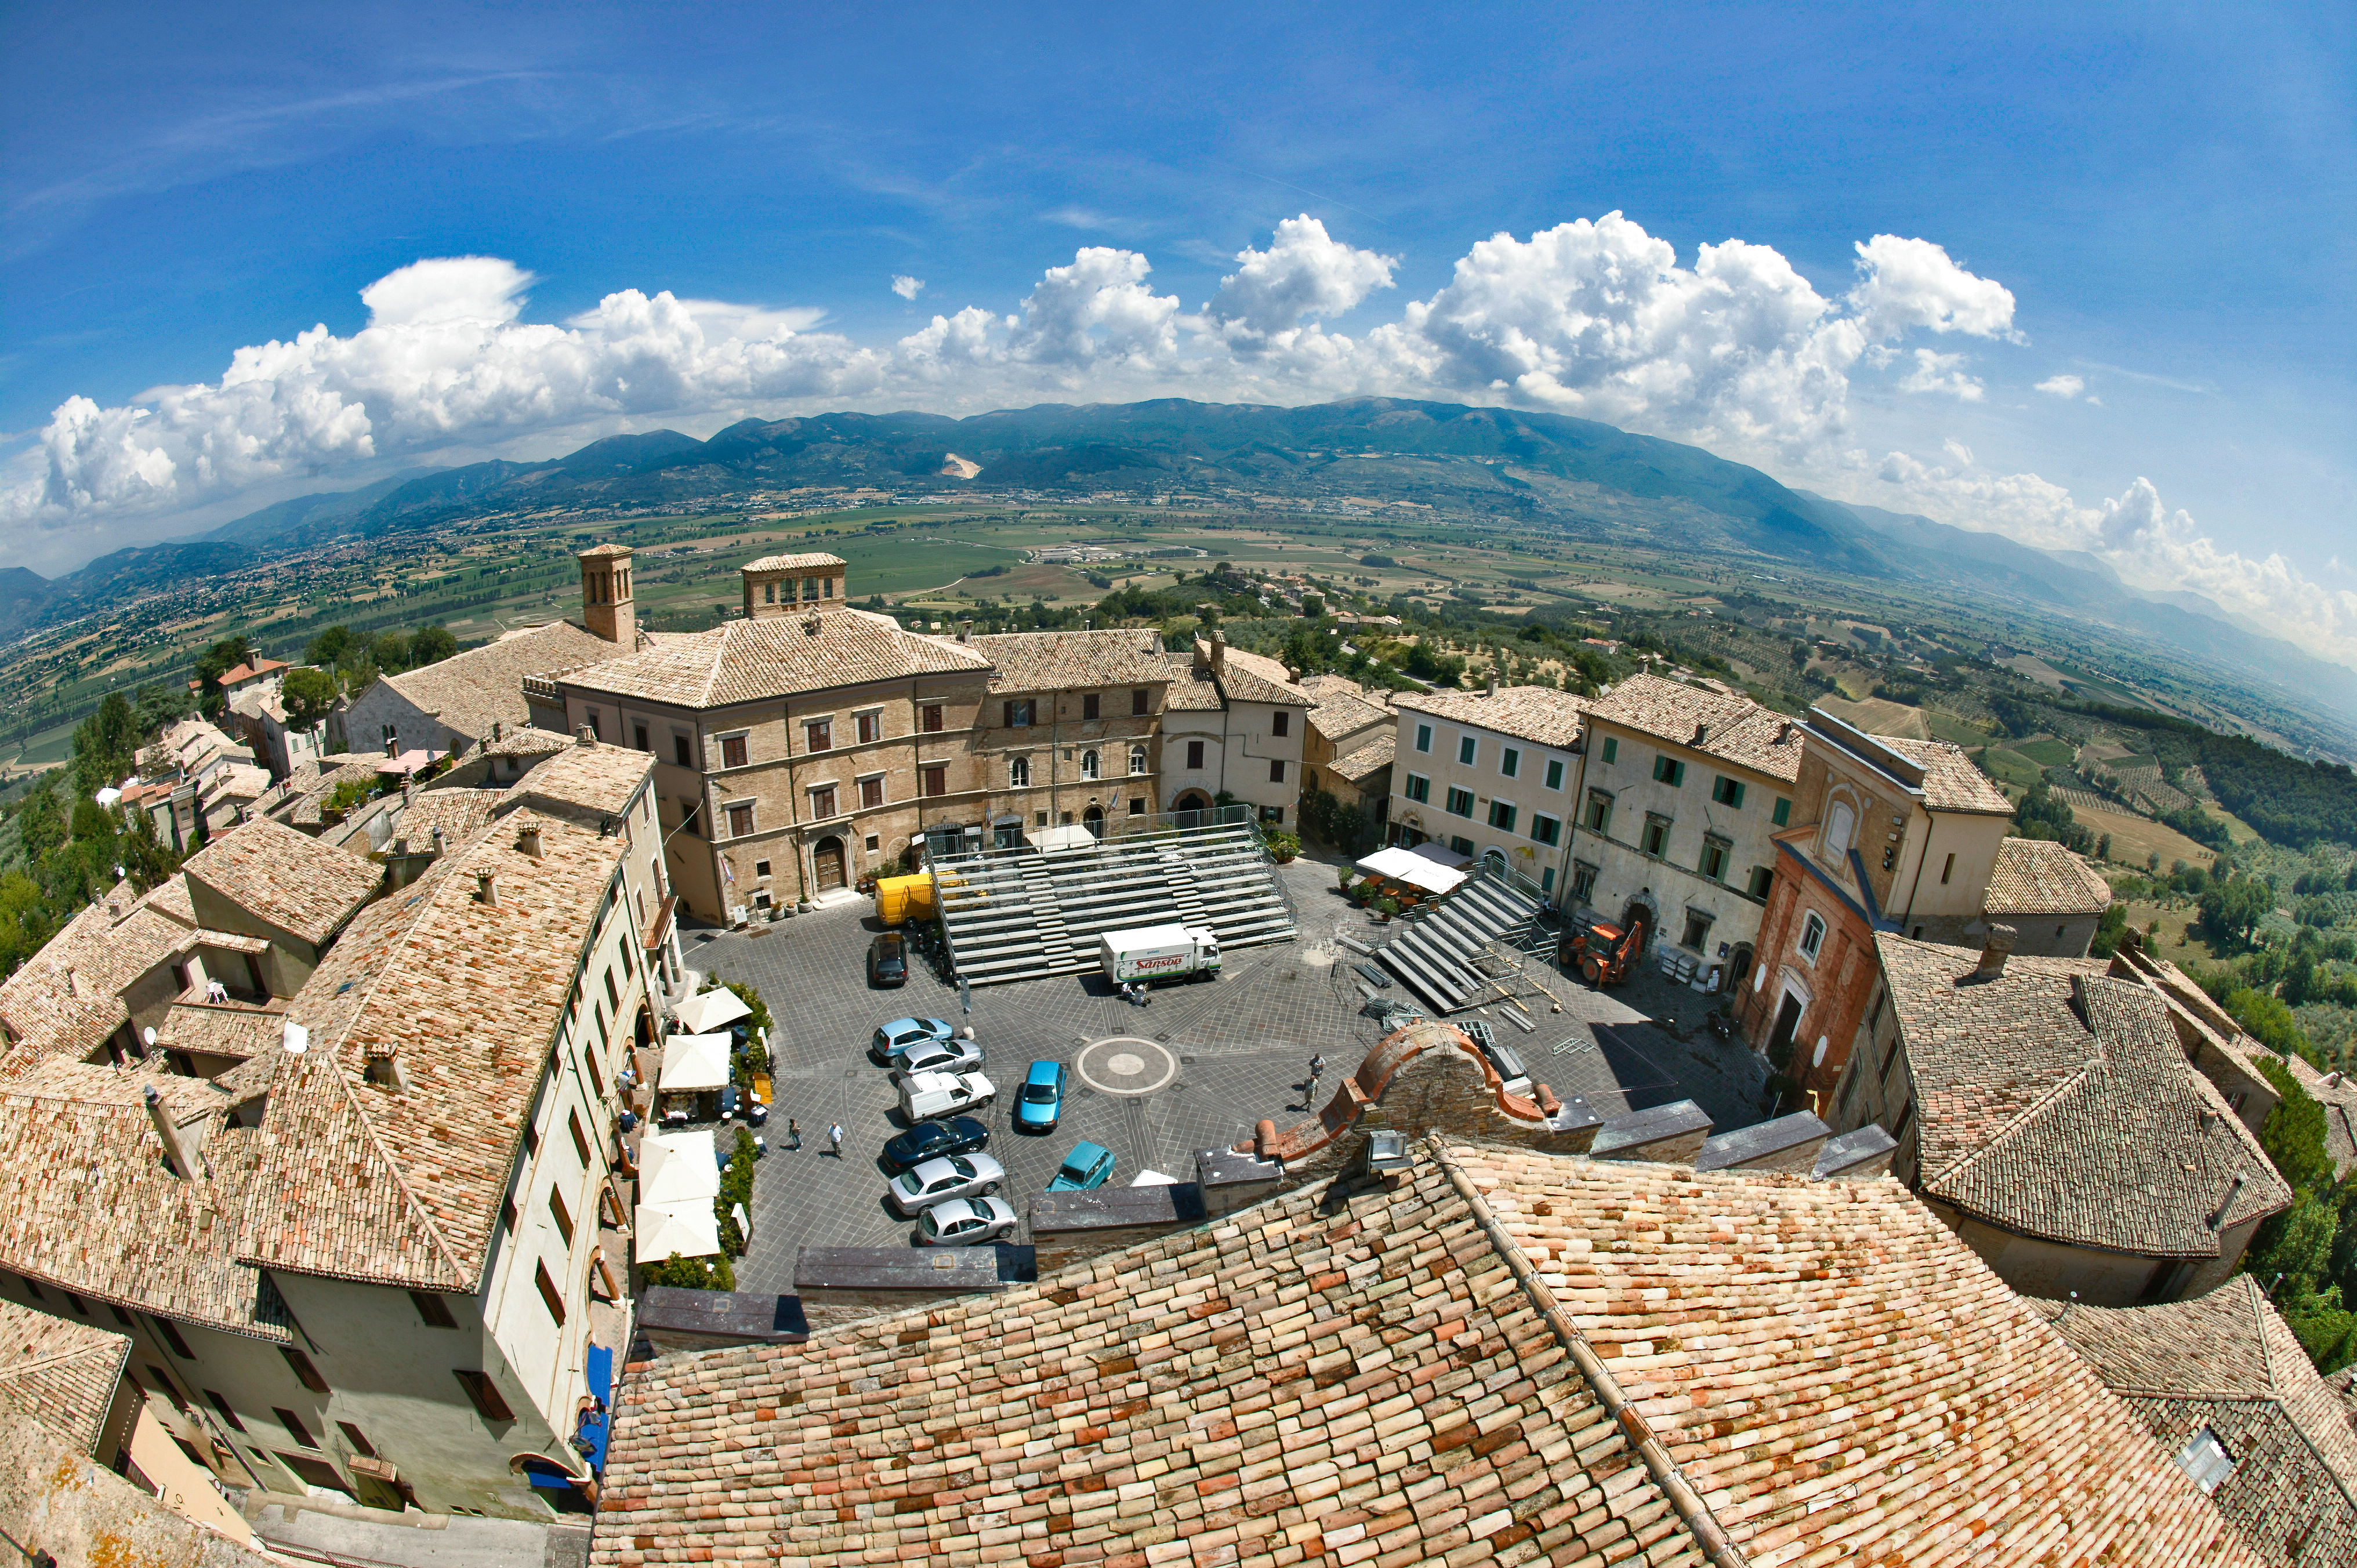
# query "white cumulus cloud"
(1942, 373)
(1904, 284)
(906, 286)
(1276, 296)
(2062, 386)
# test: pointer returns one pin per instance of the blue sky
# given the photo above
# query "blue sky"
(2153, 202)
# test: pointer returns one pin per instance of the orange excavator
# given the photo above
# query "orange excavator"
(1602, 951)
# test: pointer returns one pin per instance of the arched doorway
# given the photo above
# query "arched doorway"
(1191, 800)
(1093, 819)
(1739, 966)
(1493, 861)
(1638, 916)
(827, 863)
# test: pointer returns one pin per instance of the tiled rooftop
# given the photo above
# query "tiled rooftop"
(65, 1000)
(1342, 713)
(288, 878)
(597, 777)
(61, 1373)
(474, 688)
(2337, 1093)
(526, 740)
(1839, 1377)
(2053, 1101)
(1257, 678)
(1071, 660)
(808, 561)
(2227, 1361)
(221, 1029)
(1733, 729)
(602, 552)
(2039, 877)
(403, 1187)
(1191, 689)
(1379, 752)
(1539, 715)
(755, 661)
(1950, 780)
(301, 802)
(460, 811)
(90, 1207)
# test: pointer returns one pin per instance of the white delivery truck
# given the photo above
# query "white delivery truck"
(1152, 954)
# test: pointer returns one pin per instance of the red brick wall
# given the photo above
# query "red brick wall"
(1841, 983)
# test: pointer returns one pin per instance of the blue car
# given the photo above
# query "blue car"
(1088, 1165)
(896, 1037)
(1041, 1103)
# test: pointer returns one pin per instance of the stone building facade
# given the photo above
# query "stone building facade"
(1491, 774)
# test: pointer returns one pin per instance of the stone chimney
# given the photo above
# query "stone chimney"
(1994, 950)
(1218, 652)
(487, 889)
(607, 607)
(392, 746)
(2217, 1216)
(1702, 733)
(383, 1067)
(528, 840)
(965, 631)
(1494, 681)
(586, 736)
(438, 843)
(176, 1152)
(499, 729)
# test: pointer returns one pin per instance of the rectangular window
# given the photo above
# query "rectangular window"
(1813, 937)
(1782, 815)
(1948, 870)
(1510, 761)
(1280, 722)
(740, 816)
(580, 1139)
(1547, 879)
(484, 1395)
(1459, 802)
(1669, 771)
(1583, 882)
(1611, 748)
(1194, 753)
(818, 734)
(1018, 714)
(821, 802)
(613, 996)
(1906, 1120)
(507, 1225)
(227, 1414)
(690, 816)
(1728, 791)
(431, 1310)
(1554, 773)
(732, 750)
(597, 729)
(1136, 807)
(1697, 929)
(1655, 839)
(934, 781)
(871, 729)
(1276, 772)
(639, 734)
(1600, 813)
(1424, 737)
(550, 1296)
(1546, 830)
(293, 1425)
(1419, 788)
(1715, 854)
(1461, 844)
(172, 1337)
(682, 751)
(304, 1374)
(556, 1211)
(1090, 707)
(360, 1446)
(1467, 748)
(1137, 702)
(1501, 816)
(1760, 879)
(930, 718)
(590, 1057)
(871, 792)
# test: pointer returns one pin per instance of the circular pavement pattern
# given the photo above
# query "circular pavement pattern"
(1127, 1064)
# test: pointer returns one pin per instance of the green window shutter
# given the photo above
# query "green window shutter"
(1782, 815)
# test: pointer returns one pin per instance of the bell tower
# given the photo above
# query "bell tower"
(606, 605)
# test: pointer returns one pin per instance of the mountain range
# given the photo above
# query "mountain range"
(1590, 478)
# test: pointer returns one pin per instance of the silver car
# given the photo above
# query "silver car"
(964, 1222)
(938, 1181)
(938, 1056)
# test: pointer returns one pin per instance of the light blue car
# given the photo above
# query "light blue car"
(1041, 1103)
(1088, 1165)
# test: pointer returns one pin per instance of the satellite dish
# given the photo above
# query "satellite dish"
(149, 1034)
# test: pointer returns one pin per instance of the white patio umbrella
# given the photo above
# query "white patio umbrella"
(694, 1063)
(690, 1230)
(712, 1010)
(678, 1168)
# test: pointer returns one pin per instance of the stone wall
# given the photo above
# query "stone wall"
(55, 1503)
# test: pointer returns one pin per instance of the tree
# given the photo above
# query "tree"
(430, 645)
(216, 662)
(2232, 909)
(329, 647)
(308, 696)
(390, 652)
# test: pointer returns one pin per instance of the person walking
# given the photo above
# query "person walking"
(794, 1134)
(1317, 1068)
(835, 1139)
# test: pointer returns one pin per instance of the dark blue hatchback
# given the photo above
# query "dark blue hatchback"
(934, 1140)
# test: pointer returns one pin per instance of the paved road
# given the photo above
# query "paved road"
(1208, 1061)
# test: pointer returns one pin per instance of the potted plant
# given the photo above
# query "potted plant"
(1385, 910)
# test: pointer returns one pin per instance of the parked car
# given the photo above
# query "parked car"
(938, 1181)
(938, 1056)
(888, 960)
(1088, 1165)
(1041, 1104)
(933, 1141)
(901, 1033)
(966, 1222)
(926, 1095)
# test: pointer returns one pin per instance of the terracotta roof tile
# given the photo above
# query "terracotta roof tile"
(1342, 713)
(597, 778)
(757, 661)
(1255, 678)
(474, 688)
(603, 551)
(1731, 728)
(61, 1373)
(2335, 1091)
(1950, 780)
(2039, 877)
(1539, 715)
(1068, 660)
(460, 811)
(222, 1029)
(526, 740)
(288, 878)
(2228, 1361)
(67, 999)
(90, 1207)
(2053, 1101)
(1191, 689)
(809, 559)
(1379, 752)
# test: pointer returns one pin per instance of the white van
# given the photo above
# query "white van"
(925, 1095)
